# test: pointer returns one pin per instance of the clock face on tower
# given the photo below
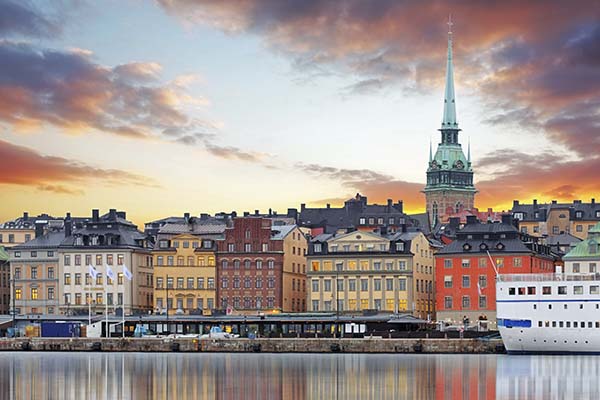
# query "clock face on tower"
(459, 164)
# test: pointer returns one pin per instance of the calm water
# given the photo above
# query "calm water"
(295, 376)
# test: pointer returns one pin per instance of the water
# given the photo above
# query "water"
(295, 376)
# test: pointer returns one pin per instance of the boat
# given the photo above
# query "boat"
(554, 313)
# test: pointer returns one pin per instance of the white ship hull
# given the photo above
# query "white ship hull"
(549, 313)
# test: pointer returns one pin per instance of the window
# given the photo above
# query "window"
(317, 247)
(562, 290)
(546, 290)
(447, 263)
(120, 259)
(18, 294)
(327, 285)
(466, 302)
(224, 264)
(578, 228)
(271, 264)
(236, 283)
(352, 285)
(265, 247)
(248, 247)
(50, 272)
(340, 285)
(34, 294)
(50, 254)
(377, 285)
(555, 230)
(34, 273)
(517, 262)
(466, 263)
(190, 283)
(594, 289)
(88, 259)
(120, 279)
(176, 244)
(170, 261)
(258, 264)
(231, 247)
(531, 290)
(99, 259)
(159, 283)
(186, 244)
(448, 302)
(67, 260)
(578, 289)
(99, 279)
(402, 285)
(482, 281)
(67, 279)
(259, 283)
(247, 283)
(389, 284)
(593, 268)
(11, 238)
(200, 283)
(482, 302)
(499, 262)
(448, 281)
(377, 266)
(400, 246)
(466, 281)
(50, 293)
(270, 282)
(364, 285)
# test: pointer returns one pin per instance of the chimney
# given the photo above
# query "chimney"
(516, 203)
(95, 215)
(593, 201)
(554, 201)
(26, 216)
(576, 201)
(390, 203)
(507, 219)
(400, 206)
(39, 228)
(112, 214)
(454, 222)
(328, 205)
(186, 217)
(302, 207)
(535, 202)
(68, 217)
(68, 227)
(233, 214)
(246, 214)
(271, 212)
(472, 219)
(256, 212)
(122, 214)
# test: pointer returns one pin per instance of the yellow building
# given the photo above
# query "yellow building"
(360, 271)
(423, 272)
(184, 275)
(17, 231)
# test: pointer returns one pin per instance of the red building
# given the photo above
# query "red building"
(466, 268)
(261, 267)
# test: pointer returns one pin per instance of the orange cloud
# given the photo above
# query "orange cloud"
(23, 166)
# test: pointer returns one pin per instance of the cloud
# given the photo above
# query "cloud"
(18, 18)
(234, 153)
(21, 165)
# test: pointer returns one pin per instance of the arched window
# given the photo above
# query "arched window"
(434, 212)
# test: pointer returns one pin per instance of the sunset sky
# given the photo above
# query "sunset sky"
(162, 107)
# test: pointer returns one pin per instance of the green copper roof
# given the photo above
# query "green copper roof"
(3, 254)
(587, 248)
(449, 121)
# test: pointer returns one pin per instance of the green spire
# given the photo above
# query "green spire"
(430, 152)
(449, 120)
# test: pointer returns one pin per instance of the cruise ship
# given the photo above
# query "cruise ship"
(549, 313)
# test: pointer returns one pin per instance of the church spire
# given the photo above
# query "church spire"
(430, 152)
(449, 120)
(469, 151)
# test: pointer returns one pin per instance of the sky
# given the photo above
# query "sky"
(171, 106)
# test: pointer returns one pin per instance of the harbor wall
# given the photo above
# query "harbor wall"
(296, 345)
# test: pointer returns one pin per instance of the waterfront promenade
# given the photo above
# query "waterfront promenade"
(286, 345)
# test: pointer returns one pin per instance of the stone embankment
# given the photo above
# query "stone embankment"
(367, 345)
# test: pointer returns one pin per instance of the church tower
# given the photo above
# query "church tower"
(449, 186)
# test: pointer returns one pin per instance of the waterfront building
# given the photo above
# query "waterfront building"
(466, 268)
(184, 274)
(35, 272)
(554, 218)
(18, 230)
(5, 305)
(105, 242)
(203, 225)
(423, 250)
(449, 186)
(261, 267)
(585, 256)
(360, 271)
(356, 214)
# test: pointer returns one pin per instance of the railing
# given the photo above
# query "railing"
(558, 277)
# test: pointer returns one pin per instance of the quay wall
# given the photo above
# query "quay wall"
(295, 345)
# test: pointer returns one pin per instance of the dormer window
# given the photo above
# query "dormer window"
(598, 214)
(400, 246)
(94, 240)
(536, 215)
(163, 244)
(593, 248)
(483, 246)
(207, 244)
(579, 214)
(518, 215)
(503, 236)
(78, 241)
(500, 246)
(466, 247)
(317, 247)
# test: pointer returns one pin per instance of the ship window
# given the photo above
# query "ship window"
(568, 324)
(547, 324)
(574, 324)
(560, 324)
(511, 291)
(581, 306)
(546, 290)
(540, 324)
(535, 306)
(562, 290)
(531, 290)
(597, 324)
(554, 324)
(565, 306)
(549, 306)
(521, 291)
(594, 289)
(582, 324)
(578, 290)
(590, 324)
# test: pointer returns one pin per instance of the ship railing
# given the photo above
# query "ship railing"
(557, 277)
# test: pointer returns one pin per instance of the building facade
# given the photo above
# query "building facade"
(35, 275)
(107, 242)
(467, 267)
(554, 218)
(359, 271)
(185, 275)
(261, 267)
(585, 256)
(17, 231)
(5, 297)
(449, 186)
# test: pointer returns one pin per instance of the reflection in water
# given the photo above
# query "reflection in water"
(294, 376)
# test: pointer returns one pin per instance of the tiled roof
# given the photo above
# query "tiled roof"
(563, 238)
(47, 241)
(193, 229)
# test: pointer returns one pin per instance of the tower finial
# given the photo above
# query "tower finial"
(469, 151)
(450, 24)
(430, 151)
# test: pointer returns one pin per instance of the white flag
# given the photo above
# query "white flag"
(110, 273)
(93, 272)
(479, 289)
(126, 272)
